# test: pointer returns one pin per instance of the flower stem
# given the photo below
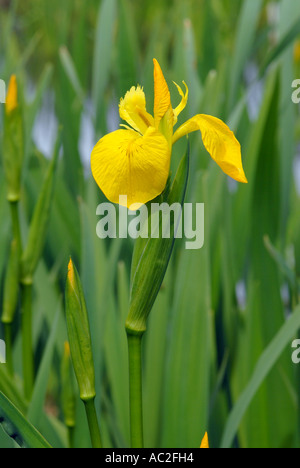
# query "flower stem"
(28, 366)
(135, 390)
(71, 437)
(14, 210)
(16, 230)
(93, 423)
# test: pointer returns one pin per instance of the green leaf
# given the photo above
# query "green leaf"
(282, 264)
(36, 405)
(127, 48)
(39, 223)
(9, 388)
(245, 36)
(282, 45)
(103, 52)
(265, 363)
(188, 341)
(18, 428)
(69, 67)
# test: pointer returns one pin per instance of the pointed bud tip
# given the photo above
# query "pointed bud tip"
(71, 275)
(67, 349)
(12, 95)
(205, 443)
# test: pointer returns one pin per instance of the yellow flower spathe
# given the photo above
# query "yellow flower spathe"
(135, 162)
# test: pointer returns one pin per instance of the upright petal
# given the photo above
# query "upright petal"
(132, 109)
(184, 100)
(124, 163)
(219, 141)
(162, 98)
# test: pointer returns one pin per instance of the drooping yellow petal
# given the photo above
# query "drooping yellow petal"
(205, 443)
(124, 163)
(162, 98)
(132, 109)
(12, 95)
(219, 141)
(184, 100)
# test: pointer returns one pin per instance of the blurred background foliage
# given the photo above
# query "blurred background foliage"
(220, 308)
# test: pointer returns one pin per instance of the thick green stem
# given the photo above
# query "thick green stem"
(14, 209)
(71, 437)
(93, 423)
(8, 344)
(28, 365)
(135, 390)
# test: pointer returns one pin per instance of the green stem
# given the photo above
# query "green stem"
(28, 366)
(71, 437)
(93, 423)
(135, 390)
(8, 344)
(14, 209)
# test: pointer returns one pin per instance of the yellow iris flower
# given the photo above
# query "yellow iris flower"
(135, 161)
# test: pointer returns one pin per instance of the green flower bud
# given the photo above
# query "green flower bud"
(13, 142)
(79, 335)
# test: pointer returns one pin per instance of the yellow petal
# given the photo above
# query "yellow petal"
(12, 95)
(219, 141)
(184, 100)
(205, 443)
(124, 163)
(162, 98)
(133, 110)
